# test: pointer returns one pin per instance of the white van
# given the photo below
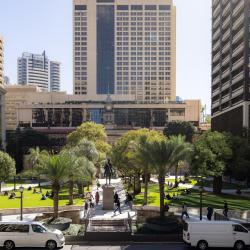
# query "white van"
(29, 234)
(204, 234)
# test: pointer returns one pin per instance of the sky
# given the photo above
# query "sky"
(38, 25)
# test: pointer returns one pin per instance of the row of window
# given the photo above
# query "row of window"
(132, 33)
(134, 18)
(141, 63)
(147, 13)
(142, 23)
(142, 58)
(141, 68)
(147, 78)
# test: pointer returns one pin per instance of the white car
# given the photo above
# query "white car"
(204, 234)
(29, 234)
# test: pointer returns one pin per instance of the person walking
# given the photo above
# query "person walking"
(225, 211)
(117, 203)
(184, 211)
(86, 208)
(210, 212)
(97, 198)
(129, 200)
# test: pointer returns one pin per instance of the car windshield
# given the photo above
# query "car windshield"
(39, 229)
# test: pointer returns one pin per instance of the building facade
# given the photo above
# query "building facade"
(35, 69)
(125, 48)
(27, 107)
(230, 65)
(54, 76)
(1, 61)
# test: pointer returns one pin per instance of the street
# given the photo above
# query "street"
(132, 246)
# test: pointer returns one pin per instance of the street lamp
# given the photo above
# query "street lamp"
(21, 189)
(201, 189)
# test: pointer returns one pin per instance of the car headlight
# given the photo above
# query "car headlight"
(59, 236)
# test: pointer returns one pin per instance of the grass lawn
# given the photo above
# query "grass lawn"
(34, 200)
(193, 199)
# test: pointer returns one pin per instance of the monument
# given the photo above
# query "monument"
(108, 189)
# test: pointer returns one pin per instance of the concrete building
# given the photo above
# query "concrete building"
(54, 76)
(57, 112)
(6, 80)
(1, 61)
(37, 70)
(230, 65)
(125, 47)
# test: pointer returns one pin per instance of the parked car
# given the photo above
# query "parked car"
(204, 234)
(29, 234)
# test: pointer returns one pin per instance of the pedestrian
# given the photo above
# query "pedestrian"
(210, 212)
(129, 200)
(118, 205)
(166, 207)
(91, 207)
(184, 211)
(116, 197)
(97, 198)
(225, 211)
(86, 208)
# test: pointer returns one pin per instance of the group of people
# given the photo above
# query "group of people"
(47, 195)
(128, 202)
(90, 203)
(210, 211)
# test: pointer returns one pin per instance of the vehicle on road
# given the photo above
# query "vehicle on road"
(29, 234)
(205, 234)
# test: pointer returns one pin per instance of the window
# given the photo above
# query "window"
(136, 7)
(239, 228)
(80, 7)
(14, 228)
(164, 7)
(122, 7)
(150, 7)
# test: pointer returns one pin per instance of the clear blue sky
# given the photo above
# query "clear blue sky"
(37, 25)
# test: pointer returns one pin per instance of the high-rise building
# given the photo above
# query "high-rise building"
(34, 69)
(1, 61)
(54, 76)
(230, 65)
(125, 47)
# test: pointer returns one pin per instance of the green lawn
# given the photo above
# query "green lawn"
(193, 199)
(34, 200)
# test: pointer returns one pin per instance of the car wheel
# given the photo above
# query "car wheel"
(51, 244)
(202, 245)
(239, 245)
(9, 244)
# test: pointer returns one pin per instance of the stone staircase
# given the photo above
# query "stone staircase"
(107, 230)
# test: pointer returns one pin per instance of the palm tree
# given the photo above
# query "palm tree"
(56, 168)
(35, 158)
(163, 154)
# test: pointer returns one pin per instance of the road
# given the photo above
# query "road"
(139, 246)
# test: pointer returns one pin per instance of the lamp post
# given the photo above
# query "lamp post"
(21, 189)
(200, 189)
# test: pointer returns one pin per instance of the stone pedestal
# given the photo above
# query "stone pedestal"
(108, 197)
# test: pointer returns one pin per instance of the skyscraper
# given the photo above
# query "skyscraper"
(34, 69)
(230, 65)
(1, 61)
(54, 76)
(125, 48)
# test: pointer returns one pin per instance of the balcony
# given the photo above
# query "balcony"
(238, 35)
(226, 35)
(226, 9)
(238, 8)
(238, 22)
(226, 85)
(238, 50)
(225, 98)
(238, 78)
(226, 60)
(225, 73)
(226, 48)
(216, 80)
(237, 92)
(216, 92)
(226, 22)
(216, 34)
(216, 68)
(216, 45)
(216, 57)
(238, 63)
(216, 104)
(216, 10)
(216, 22)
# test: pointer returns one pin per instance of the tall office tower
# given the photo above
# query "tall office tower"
(1, 61)
(125, 47)
(33, 70)
(230, 65)
(54, 76)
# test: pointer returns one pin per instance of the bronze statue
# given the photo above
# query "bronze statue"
(108, 171)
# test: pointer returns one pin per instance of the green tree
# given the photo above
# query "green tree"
(56, 168)
(211, 153)
(164, 154)
(35, 159)
(180, 128)
(7, 167)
